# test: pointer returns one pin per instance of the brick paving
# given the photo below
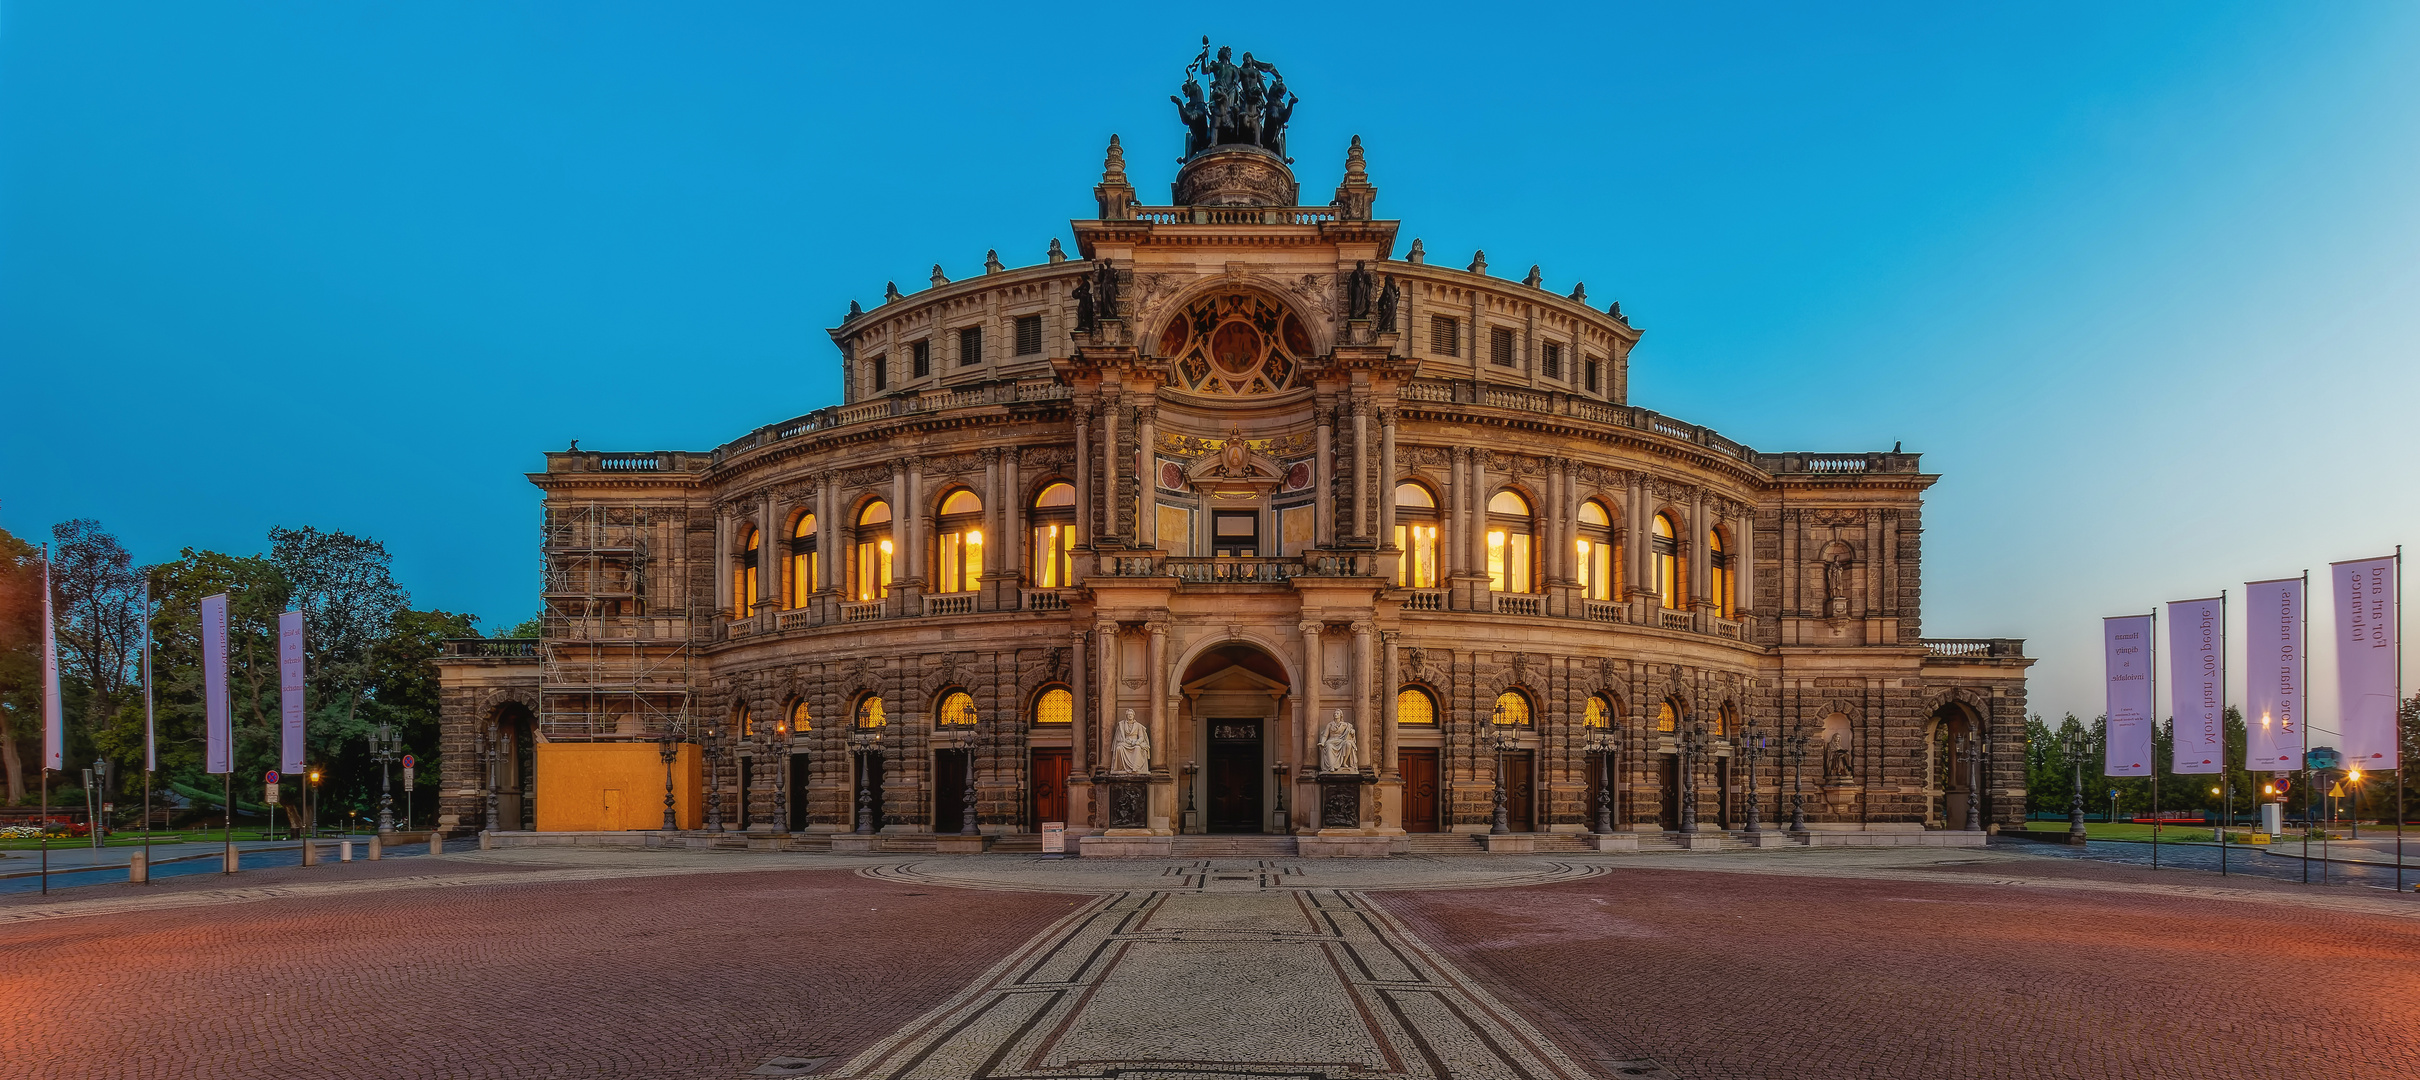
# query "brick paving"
(1728, 975)
(665, 976)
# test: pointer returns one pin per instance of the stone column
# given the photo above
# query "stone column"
(1323, 509)
(1364, 656)
(723, 542)
(896, 605)
(1743, 562)
(769, 548)
(1693, 547)
(1155, 683)
(1083, 525)
(1361, 468)
(911, 518)
(994, 506)
(1113, 469)
(1388, 476)
(1457, 525)
(1478, 531)
(1107, 664)
(1012, 525)
(1550, 526)
(1306, 725)
(1388, 680)
(1147, 482)
(1079, 740)
(1639, 550)
(828, 556)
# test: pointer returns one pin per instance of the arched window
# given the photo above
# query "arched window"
(1726, 720)
(1667, 718)
(1665, 556)
(869, 711)
(743, 576)
(805, 579)
(1414, 706)
(957, 709)
(1055, 706)
(799, 721)
(1718, 576)
(958, 560)
(1416, 536)
(872, 556)
(1598, 566)
(1599, 714)
(1512, 709)
(1054, 529)
(742, 722)
(1508, 543)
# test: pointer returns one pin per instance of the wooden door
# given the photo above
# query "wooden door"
(1233, 777)
(1520, 796)
(1049, 786)
(1419, 768)
(1595, 764)
(798, 792)
(1668, 790)
(949, 791)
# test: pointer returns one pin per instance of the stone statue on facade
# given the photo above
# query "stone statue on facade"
(1339, 746)
(1836, 578)
(1388, 299)
(1195, 113)
(1835, 758)
(1130, 751)
(1275, 115)
(1105, 292)
(1084, 312)
(1247, 103)
(1358, 287)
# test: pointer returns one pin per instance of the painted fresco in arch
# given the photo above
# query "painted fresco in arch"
(1235, 344)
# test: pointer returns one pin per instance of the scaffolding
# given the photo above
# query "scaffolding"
(617, 648)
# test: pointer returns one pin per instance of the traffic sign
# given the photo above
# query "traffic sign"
(270, 779)
(407, 761)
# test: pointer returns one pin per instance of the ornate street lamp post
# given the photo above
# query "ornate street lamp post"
(1752, 746)
(488, 751)
(1604, 743)
(867, 742)
(668, 747)
(2075, 801)
(1693, 747)
(1972, 747)
(714, 779)
(1796, 744)
(386, 744)
(1502, 823)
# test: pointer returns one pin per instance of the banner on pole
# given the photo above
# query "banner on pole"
(54, 726)
(2126, 750)
(290, 688)
(219, 753)
(2365, 661)
(2197, 684)
(2273, 676)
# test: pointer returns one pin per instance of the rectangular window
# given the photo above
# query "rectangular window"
(970, 346)
(1596, 570)
(922, 363)
(1550, 358)
(1445, 335)
(882, 372)
(1051, 547)
(1235, 534)
(1176, 530)
(1029, 335)
(1418, 567)
(1295, 530)
(1500, 348)
(1593, 366)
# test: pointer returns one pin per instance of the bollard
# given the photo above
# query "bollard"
(138, 869)
(310, 852)
(487, 839)
(227, 866)
(377, 847)
(344, 851)
(436, 842)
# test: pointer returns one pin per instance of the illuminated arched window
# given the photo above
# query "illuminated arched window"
(1599, 714)
(743, 723)
(1512, 709)
(743, 575)
(1053, 521)
(1414, 706)
(1664, 555)
(957, 709)
(1726, 720)
(805, 579)
(1508, 543)
(958, 555)
(869, 711)
(1416, 536)
(798, 718)
(1719, 577)
(872, 557)
(1598, 566)
(1055, 706)
(1667, 718)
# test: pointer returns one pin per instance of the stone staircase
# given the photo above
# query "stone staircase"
(1241, 845)
(1018, 843)
(1439, 843)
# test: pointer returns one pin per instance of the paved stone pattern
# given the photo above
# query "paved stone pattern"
(697, 975)
(1919, 974)
(1234, 973)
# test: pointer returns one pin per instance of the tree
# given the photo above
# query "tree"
(256, 592)
(99, 595)
(20, 658)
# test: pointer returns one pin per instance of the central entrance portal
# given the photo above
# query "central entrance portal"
(1234, 776)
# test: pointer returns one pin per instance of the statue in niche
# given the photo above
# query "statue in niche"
(1836, 564)
(1339, 746)
(1357, 289)
(1388, 298)
(1836, 758)
(1084, 312)
(1130, 751)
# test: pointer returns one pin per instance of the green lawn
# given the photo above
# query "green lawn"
(2126, 830)
(120, 840)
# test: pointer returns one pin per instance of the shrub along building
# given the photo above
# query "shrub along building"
(1239, 521)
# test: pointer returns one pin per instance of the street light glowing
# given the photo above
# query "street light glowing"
(2353, 774)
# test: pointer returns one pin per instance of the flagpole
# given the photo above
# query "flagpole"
(2153, 645)
(150, 741)
(2302, 652)
(2226, 780)
(2398, 718)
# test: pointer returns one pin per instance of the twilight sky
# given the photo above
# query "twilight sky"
(2141, 281)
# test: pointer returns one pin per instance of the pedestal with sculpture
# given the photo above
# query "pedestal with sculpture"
(1125, 785)
(1343, 784)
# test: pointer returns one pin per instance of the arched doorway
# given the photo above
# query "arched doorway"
(511, 773)
(1232, 693)
(1956, 750)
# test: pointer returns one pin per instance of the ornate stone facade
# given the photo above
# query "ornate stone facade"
(1240, 469)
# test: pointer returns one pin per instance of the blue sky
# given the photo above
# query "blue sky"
(2140, 280)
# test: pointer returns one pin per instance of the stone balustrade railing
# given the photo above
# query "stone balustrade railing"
(1975, 648)
(491, 648)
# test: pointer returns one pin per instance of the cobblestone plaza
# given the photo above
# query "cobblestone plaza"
(1798, 962)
